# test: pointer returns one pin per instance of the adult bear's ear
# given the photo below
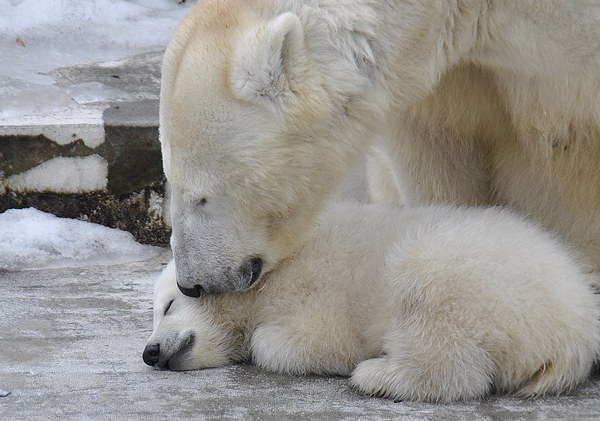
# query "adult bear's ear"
(269, 62)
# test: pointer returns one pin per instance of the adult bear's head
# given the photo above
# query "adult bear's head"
(254, 138)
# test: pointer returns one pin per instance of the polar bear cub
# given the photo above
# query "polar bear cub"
(429, 304)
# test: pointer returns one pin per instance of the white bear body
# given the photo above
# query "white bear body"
(266, 106)
(434, 304)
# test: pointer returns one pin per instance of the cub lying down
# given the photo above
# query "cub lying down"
(432, 304)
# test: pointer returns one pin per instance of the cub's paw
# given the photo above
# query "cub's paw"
(399, 379)
(378, 377)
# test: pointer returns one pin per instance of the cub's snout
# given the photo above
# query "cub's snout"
(185, 334)
(174, 354)
(151, 354)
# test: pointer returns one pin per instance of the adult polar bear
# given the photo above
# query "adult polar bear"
(266, 105)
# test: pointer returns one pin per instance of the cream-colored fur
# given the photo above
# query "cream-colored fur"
(433, 304)
(267, 104)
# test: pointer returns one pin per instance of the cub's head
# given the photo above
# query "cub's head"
(185, 335)
(250, 135)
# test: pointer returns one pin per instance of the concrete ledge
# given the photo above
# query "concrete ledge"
(98, 159)
(141, 212)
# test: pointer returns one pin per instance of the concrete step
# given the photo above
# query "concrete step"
(97, 158)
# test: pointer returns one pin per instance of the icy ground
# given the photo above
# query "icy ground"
(31, 239)
(37, 36)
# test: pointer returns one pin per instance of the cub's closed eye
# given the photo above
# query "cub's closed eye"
(168, 307)
(202, 201)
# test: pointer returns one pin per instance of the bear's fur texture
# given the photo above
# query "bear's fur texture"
(267, 104)
(429, 304)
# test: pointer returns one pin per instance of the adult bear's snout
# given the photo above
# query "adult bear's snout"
(151, 354)
(245, 276)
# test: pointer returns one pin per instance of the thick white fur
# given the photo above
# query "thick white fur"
(432, 304)
(266, 105)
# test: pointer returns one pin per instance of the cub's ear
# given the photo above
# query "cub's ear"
(270, 61)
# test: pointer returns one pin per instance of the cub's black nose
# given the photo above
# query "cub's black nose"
(150, 354)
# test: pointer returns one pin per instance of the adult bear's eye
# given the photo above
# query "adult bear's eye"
(200, 203)
(168, 307)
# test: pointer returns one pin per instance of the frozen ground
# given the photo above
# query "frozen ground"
(37, 37)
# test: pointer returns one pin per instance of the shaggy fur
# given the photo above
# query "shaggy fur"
(267, 104)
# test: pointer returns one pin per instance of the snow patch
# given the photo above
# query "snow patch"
(32, 239)
(62, 175)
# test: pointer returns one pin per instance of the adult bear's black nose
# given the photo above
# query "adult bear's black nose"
(194, 292)
(150, 354)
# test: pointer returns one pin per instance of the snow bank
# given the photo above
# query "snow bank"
(31, 239)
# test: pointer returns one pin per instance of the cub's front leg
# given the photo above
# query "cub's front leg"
(306, 345)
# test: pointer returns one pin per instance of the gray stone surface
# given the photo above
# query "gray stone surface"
(138, 76)
(71, 343)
